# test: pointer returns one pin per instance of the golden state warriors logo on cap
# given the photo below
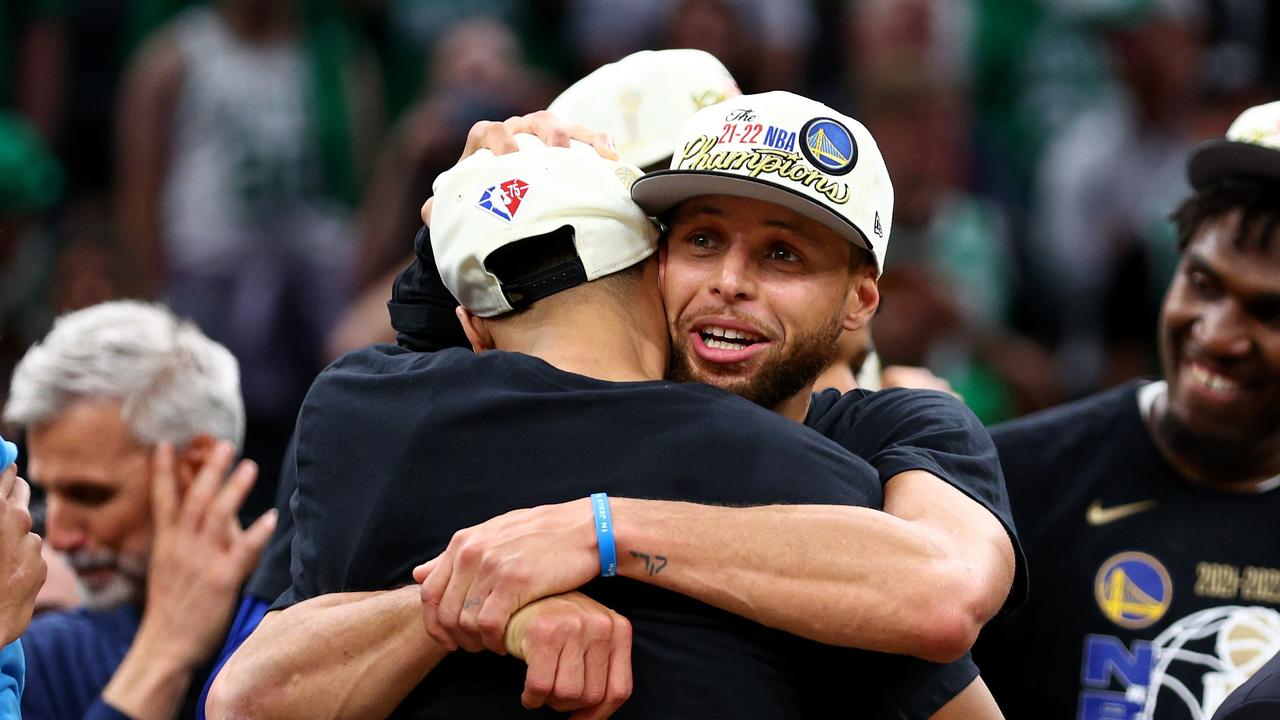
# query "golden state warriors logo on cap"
(1133, 590)
(829, 146)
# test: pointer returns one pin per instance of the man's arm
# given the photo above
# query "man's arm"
(199, 559)
(360, 654)
(355, 655)
(919, 579)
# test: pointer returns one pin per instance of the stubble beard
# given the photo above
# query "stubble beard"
(779, 378)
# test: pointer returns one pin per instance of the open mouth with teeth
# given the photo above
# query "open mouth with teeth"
(718, 338)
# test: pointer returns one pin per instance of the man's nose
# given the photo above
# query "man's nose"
(62, 527)
(1223, 330)
(736, 276)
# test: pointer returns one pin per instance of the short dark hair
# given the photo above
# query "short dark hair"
(1256, 198)
(860, 257)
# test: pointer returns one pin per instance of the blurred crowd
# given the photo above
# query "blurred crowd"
(259, 164)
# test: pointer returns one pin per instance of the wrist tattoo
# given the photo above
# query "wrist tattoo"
(653, 564)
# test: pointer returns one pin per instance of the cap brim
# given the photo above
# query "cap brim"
(658, 192)
(1215, 159)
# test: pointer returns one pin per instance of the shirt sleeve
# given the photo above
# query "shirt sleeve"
(900, 429)
(917, 689)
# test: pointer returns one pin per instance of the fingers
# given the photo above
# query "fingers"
(449, 612)
(255, 538)
(541, 677)
(493, 136)
(426, 211)
(491, 622)
(620, 685)
(164, 491)
(20, 494)
(500, 138)
(231, 496)
(421, 572)
(597, 139)
(595, 678)
(432, 590)
(570, 672)
(208, 479)
(7, 479)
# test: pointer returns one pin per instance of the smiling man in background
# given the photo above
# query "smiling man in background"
(1149, 511)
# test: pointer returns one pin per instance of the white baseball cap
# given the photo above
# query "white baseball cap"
(785, 149)
(643, 100)
(487, 202)
(1251, 148)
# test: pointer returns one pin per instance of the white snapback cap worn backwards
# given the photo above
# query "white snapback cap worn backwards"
(1250, 149)
(785, 149)
(487, 202)
(643, 100)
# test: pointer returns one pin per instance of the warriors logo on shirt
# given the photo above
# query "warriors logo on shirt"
(504, 198)
(1133, 590)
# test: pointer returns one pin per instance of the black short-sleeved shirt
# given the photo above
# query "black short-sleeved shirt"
(901, 429)
(397, 451)
(1153, 596)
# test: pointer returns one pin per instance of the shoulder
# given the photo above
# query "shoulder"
(1065, 428)
(82, 627)
(71, 654)
(892, 405)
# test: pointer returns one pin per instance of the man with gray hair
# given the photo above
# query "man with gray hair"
(132, 419)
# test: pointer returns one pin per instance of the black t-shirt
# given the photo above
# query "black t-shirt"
(1153, 595)
(901, 429)
(397, 451)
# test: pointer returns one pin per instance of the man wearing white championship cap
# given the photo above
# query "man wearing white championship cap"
(562, 402)
(778, 212)
(1150, 509)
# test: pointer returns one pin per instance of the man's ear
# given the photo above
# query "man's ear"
(476, 329)
(860, 301)
(188, 461)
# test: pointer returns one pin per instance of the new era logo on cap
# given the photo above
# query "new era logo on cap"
(504, 198)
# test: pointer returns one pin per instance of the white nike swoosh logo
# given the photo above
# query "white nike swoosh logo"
(1097, 515)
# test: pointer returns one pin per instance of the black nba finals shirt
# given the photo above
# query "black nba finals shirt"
(398, 450)
(1153, 597)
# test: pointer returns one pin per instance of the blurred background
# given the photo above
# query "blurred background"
(259, 163)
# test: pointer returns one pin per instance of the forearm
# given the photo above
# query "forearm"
(352, 655)
(150, 683)
(840, 575)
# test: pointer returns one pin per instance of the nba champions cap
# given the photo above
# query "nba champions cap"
(1250, 149)
(785, 149)
(643, 100)
(487, 202)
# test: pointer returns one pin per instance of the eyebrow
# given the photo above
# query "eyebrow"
(1199, 263)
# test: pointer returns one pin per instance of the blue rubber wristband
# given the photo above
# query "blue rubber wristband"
(604, 534)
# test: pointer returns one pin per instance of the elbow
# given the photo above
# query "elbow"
(953, 617)
(235, 695)
(945, 635)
